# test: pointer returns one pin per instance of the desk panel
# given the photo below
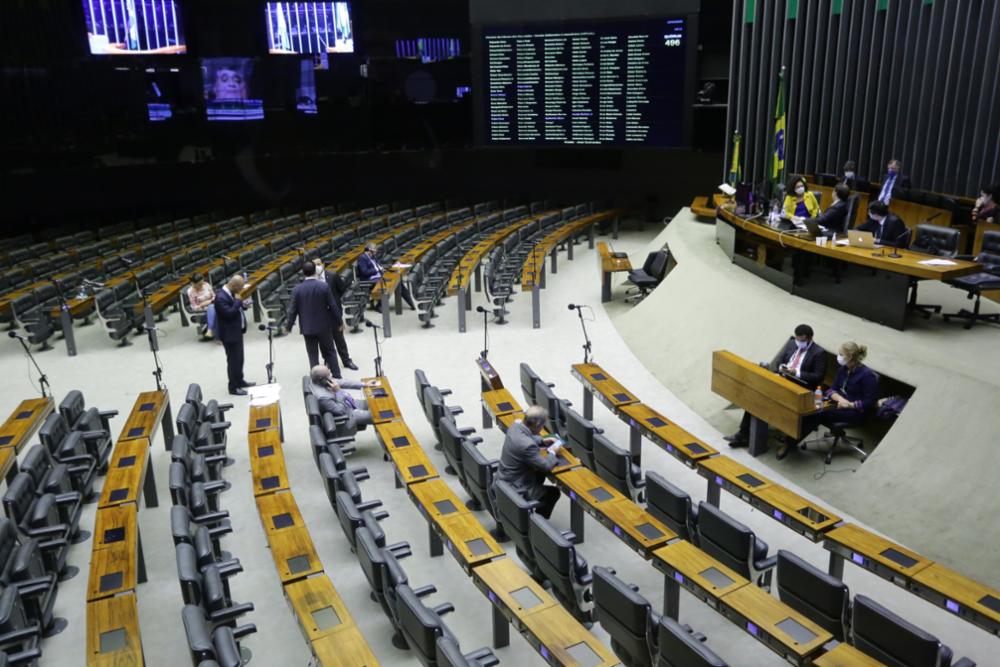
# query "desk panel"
(27, 418)
(144, 419)
(965, 597)
(774, 624)
(667, 435)
(113, 637)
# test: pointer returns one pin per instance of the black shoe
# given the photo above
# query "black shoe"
(736, 440)
(412, 307)
(239, 391)
(351, 365)
(782, 451)
(246, 384)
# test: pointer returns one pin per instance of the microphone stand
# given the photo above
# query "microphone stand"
(486, 328)
(586, 338)
(43, 381)
(154, 347)
(270, 354)
(378, 352)
(65, 319)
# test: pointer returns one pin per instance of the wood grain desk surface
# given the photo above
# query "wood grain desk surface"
(112, 569)
(126, 473)
(346, 648)
(629, 517)
(691, 562)
(535, 260)
(461, 529)
(870, 545)
(611, 264)
(735, 473)
(601, 381)
(391, 435)
(500, 402)
(764, 394)
(109, 615)
(27, 417)
(667, 432)
(766, 612)
(413, 464)
(264, 439)
(461, 274)
(314, 594)
(383, 408)
(792, 504)
(294, 554)
(8, 458)
(265, 417)
(279, 511)
(434, 496)
(267, 462)
(114, 524)
(144, 419)
(845, 655)
(583, 483)
(503, 577)
(961, 589)
(561, 635)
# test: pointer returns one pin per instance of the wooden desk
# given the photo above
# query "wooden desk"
(267, 463)
(412, 465)
(610, 265)
(498, 402)
(27, 417)
(112, 569)
(467, 540)
(113, 637)
(294, 554)
(278, 511)
(151, 409)
(684, 564)
(488, 376)
(533, 268)
(8, 463)
(312, 599)
(462, 274)
(505, 583)
(395, 435)
(561, 640)
(381, 401)
(876, 554)
(346, 648)
(645, 421)
(130, 471)
(115, 524)
(588, 493)
(804, 517)
(435, 499)
(845, 655)
(767, 619)
(968, 599)
(769, 398)
(635, 526)
(734, 477)
(598, 382)
(265, 417)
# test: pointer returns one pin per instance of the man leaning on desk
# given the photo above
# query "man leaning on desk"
(521, 464)
(884, 226)
(801, 360)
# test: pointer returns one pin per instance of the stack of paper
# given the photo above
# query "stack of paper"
(938, 262)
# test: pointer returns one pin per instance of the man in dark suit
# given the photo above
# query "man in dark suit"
(312, 303)
(834, 219)
(368, 268)
(885, 227)
(895, 182)
(849, 177)
(801, 360)
(338, 287)
(521, 464)
(231, 323)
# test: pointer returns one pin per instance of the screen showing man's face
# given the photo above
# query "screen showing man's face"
(229, 85)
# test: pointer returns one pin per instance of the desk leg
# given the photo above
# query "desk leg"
(758, 436)
(635, 444)
(590, 237)
(554, 260)
(713, 493)
(149, 485)
(479, 278)
(397, 479)
(167, 424)
(437, 548)
(66, 321)
(536, 307)
(140, 556)
(461, 310)
(836, 567)
(588, 404)
(576, 520)
(569, 247)
(386, 319)
(487, 421)
(501, 629)
(542, 279)
(397, 297)
(671, 598)
(605, 286)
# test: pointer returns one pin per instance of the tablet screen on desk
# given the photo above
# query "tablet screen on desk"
(325, 618)
(695, 448)
(526, 598)
(445, 507)
(379, 393)
(749, 479)
(716, 577)
(656, 422)
(599, 494)
(899, 558)
(401, 441)
(799, 633)
(112, 641)
(649, 531)
(990, 602)
(584, 655)
(599, 377)
(478, 547)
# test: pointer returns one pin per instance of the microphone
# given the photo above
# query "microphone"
(273, 326)
(126, 261)
(574, 306)
(227, 258)
(480, 309)
(371, 325)
(146, 327)
(14, 334)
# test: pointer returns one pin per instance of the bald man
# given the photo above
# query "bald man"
(522, 465)
(231, 323)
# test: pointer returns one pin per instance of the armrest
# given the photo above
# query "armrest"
(569, 536)
(444, 608)
(475, 440)
(218, 531)
(229, 567)
(51, 545)
(342, 440)
(25, 657)
(217, 458)
(212, 517)
(107, 414)
(224, 406)
(964, 662)
(399, 549)
(455, 410)
(369, 505)
(18, 636)
(467, 430)
(33, 586)
(214, 487)
(766, 564)
(244, 630)
(424, 591)
(230, 613)
(68, 498)
(94, 435)
(80, 458)
(380, 515)
(586, 579)
(207, 449)
(445, 392)
(219, 426)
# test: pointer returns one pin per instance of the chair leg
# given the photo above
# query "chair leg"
(973, 316)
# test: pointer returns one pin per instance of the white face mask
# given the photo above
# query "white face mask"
(848, 174)
(800, 190)
(841, 360)
(802, 344)
(878, 219)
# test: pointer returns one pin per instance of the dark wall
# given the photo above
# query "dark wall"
(533, 11)
(909, 79)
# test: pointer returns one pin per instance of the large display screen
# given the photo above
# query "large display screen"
(134, 27)
(309, 27)
(229, 89)
(614, 84)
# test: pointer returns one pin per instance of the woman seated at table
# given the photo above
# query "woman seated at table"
(201, 296)
(986, 208)
(799, 202)
(854, 393)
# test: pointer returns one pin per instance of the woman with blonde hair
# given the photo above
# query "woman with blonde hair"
(854, 393)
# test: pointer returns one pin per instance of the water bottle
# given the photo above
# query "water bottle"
(818, 398)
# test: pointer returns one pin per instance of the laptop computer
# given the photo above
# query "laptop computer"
(814, 229)
(858, 239)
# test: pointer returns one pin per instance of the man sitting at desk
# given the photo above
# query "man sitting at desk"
(834, 219)
(331, 395)
(884, 226)
(801, 360)
(521, 464)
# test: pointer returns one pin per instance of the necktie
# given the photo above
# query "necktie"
(796, 360)
(350, 401)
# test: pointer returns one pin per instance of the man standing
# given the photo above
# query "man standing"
(231, 323)
(368, 268)
(521, 464)
(313, 304)
(801, 360)
(338, 288)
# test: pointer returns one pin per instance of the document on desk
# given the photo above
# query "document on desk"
(843, 242)
(264, 394)
(937, 262)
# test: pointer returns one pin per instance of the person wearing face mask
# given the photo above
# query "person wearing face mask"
(986, 208)
(799, 202)
(884, 226)
(854, 394)
(368, 268)
(894, 182)
(338, 286)
(834, 219)
(849, 177)
(801, 360)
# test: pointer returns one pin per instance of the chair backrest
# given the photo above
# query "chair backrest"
(53, 431)
(660, 264)
(614, 465)
(808, 590)
(725, 539)
(647, 265)
(990, 250)
(892, 640)
(36, 463)
(528, 380)
(514, 515)
(936, 240)
(420, 382)
(853, 201)
(421, 626)
(581, 434)
(545, 397)
(478, 475)
(554, 555)
(449, 654)
(625, 615)
(187, 420)
(451, 447)
(18, 497)
(372, 559)
(72, 406)
(670, 505)
(676, 647)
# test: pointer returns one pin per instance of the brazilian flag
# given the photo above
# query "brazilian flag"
(735, 173)
(778, 152)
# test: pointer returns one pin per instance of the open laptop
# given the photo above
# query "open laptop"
(858, 239)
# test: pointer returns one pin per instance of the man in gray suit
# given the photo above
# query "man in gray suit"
(521, 464)
(332, 397)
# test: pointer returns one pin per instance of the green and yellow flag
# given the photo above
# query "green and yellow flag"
(778, 155)
(735, 173)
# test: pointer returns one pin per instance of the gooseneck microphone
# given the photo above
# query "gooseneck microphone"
(574, 306)
(14, 334)
(371, 325)
(480, 309)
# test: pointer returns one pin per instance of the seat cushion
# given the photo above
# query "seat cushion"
(978, 282)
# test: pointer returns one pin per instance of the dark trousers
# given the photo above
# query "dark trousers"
(404, 292)
(745, 425)
(547, 497)
(234, 363)
(322, 342)
(341, 344)
(828, 418)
